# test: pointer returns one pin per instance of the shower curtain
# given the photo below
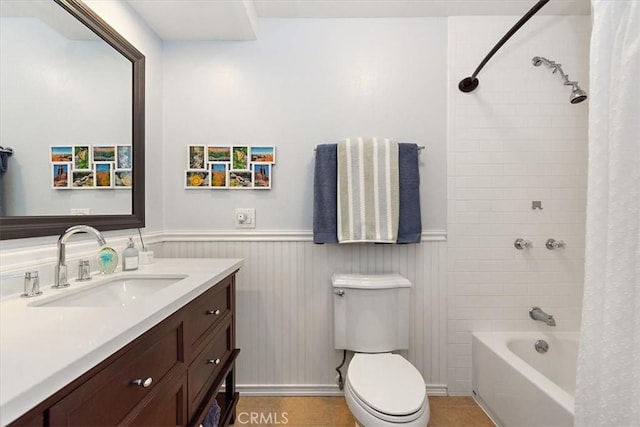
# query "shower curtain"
(608, 381)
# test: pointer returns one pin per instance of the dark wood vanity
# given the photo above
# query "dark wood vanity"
(169, 376)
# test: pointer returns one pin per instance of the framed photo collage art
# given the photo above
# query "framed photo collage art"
(86, 167)
(229, 167)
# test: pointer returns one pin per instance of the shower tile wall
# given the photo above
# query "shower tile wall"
(515, 140)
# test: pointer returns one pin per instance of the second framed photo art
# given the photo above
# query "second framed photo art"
(229, 167)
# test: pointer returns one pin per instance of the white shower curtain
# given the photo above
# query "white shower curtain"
(608, 383)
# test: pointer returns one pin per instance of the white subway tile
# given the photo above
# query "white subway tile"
(531, 145)
(478, 289)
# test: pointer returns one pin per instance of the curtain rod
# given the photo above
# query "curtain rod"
(469, 84)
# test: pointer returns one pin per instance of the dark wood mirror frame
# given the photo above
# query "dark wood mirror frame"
(34, 226)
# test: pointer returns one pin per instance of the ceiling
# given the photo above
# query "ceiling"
(49, 13)
(238, 19)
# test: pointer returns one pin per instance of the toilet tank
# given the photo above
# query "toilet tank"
(371, 312)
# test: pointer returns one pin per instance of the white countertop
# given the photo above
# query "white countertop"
(42, 349)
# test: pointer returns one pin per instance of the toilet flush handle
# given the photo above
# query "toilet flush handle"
(339, 292)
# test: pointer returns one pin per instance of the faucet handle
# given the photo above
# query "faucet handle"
(31, 284)
(553, 244)
(84, 270)
(521, 244)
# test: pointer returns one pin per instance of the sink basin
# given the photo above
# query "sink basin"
(117, 292)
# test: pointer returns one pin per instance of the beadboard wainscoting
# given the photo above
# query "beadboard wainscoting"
(284, 304)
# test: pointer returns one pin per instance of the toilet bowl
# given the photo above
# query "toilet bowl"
(384, 390)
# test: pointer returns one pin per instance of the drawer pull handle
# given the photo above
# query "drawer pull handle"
(213, 361)
(214, 312)
(143, 383)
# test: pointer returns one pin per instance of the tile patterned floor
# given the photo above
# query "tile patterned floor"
(333, 412)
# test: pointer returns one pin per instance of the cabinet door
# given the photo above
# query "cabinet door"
(167, 407)
(107, 397)
(29, 420)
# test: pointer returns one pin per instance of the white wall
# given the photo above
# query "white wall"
(515, 139)
(302, 83)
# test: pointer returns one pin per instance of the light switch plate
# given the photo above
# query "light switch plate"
(245, 218)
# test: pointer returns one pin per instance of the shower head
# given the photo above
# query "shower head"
(577, 95)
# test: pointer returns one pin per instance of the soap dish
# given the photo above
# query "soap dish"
(107, 260)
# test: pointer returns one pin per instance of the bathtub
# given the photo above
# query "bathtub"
(517, 386)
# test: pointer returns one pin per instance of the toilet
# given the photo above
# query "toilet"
(371, 318)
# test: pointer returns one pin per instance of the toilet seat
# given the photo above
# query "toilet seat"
(387, 386)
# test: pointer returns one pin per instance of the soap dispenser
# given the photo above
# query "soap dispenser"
(130, 257)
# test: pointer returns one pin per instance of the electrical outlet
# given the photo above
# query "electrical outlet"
(80, 211)
(245, 218)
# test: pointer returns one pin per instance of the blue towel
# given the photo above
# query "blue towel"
(325, 207)
(325, 194)
(4, 159)
(213, 417)
(410, 223)
(4, 164)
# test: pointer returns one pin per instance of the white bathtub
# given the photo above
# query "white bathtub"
(518, 386)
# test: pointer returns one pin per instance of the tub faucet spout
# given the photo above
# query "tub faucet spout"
(536, 313)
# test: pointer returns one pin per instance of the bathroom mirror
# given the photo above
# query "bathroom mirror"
(107, 111)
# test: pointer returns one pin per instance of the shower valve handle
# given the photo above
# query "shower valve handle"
(521, 244)
(553, 244)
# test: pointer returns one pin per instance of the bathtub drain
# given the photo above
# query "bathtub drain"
(542, 346)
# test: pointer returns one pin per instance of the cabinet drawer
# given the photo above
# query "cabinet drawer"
(208, 363)
(108, 396)
(206, 312)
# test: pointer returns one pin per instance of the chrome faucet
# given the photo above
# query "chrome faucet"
(61, 266)
(536, 313)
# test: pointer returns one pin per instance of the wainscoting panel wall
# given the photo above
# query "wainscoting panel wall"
(284, 306)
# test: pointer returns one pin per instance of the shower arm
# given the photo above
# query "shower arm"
(469, 84)
(537, 60)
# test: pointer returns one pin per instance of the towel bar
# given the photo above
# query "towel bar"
(420, 148)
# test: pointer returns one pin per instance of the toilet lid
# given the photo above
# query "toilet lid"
(387, 382)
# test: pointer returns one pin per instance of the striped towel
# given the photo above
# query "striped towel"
(368, 191)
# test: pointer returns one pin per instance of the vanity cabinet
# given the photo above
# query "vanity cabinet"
(169, 376)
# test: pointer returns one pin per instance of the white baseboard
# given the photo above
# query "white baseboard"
(313, 390)
(437, 390)
(459, 393)
(289, 390)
